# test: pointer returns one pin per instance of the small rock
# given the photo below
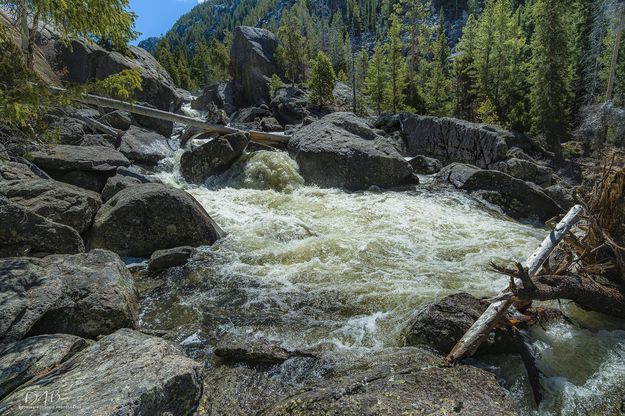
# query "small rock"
(425, 165)
(164, 259)
(270, 124)
(120, 120)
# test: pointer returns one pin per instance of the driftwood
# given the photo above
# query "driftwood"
(496, 311)
(271, 139)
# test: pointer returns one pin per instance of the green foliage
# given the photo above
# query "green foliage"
(465, 73)
(122, 85)
(322, 80)
(210, 63)
(276, 84)
(375, 82)
(438, 86)
(361, 66)
(395, 96)
(605, 62)
(291, 54)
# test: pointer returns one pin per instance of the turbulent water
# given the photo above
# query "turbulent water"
(327, 269)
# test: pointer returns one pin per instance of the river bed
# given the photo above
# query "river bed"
(325, 269)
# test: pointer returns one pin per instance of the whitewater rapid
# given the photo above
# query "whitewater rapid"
(316, 268)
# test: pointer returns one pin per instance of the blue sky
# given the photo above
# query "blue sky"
(156, 17)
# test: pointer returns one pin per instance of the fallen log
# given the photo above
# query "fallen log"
(272, 139)
(480, 330)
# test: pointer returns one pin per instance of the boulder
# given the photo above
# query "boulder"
(213, 157)
(254, 350)
(219, 94)
(452, 140)
(270, 124)
(86, 294)
(23, 360)
(116, 183)
(23, 232)
(341, 150)
(252, 64)
(121, 120)
(145, 146)
(56, 201)
(85, 62)
(516, 198)
(564, 196)
(399, 381)
(164, 259)
(249, 115)
(162, 127)
(105, 140)
(525, 170)
(92, 181)
(425, 165)
(71, 130)
(290, 106)
(440, 325)
(139, 220)
(10, 171)
(125, 373)
(82, 158)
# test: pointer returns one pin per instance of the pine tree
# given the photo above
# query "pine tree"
(551, 75)
(417, 14)
(361, 69)
(322, 80)
(200, 65)
(395, 95)
(292, 52)
(464, 72)
(438, 85)
(376, 79)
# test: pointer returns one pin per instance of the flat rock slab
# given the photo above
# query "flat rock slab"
(88, 158)
(139, 220)
(57, 201)
(164, 259)
(85, 295)
(33, 356)
(125, 373)
(24, 232)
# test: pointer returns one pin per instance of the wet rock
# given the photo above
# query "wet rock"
(451, 140)
(425, 165)
(162, 127)
(85, 62)
(23, 360)
(117, 183)
(105, 140)
(253, 350)
(164, 259)
(24, 232)
(399, 381)
(525, 170)
(252, 65)
(81, 158)
(169, 218)
(342, 150)
(213, 157)
(125, 373)
(440, 325)
(290, 105)
(56, 201)
(118, 119)
(219, 94)
(87, 295)
(249, 115)
(516, 198)
(144, 146)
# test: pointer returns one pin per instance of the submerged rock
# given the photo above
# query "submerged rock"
(125, 373)
(142, 219)
(517, 198)
(212, 157)
(452, 140)
(23, 360)
(85, 294)
(254, 350)
(25, 233)
(341, 150)
(164, 259)
(396, 382)
(59, 202)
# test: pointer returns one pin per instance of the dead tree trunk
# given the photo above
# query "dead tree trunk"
(480, 330)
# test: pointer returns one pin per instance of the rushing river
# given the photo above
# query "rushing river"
(317, 268)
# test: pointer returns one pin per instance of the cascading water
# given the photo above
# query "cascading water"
(327, 269)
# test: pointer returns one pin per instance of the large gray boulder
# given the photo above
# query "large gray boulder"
(25, 233)
(342, 150)
(220, 94)
(57, 201)
(142, 219)
(81, 158)
(144, 146)
(213, 157)
(452, 140)
(84, 62)
(23, 360)
(252, 64)
(125, 373)
(525, 170)
(516, 198)
(87, 295)
(399, 381)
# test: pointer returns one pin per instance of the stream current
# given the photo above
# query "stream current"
(326, 269)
